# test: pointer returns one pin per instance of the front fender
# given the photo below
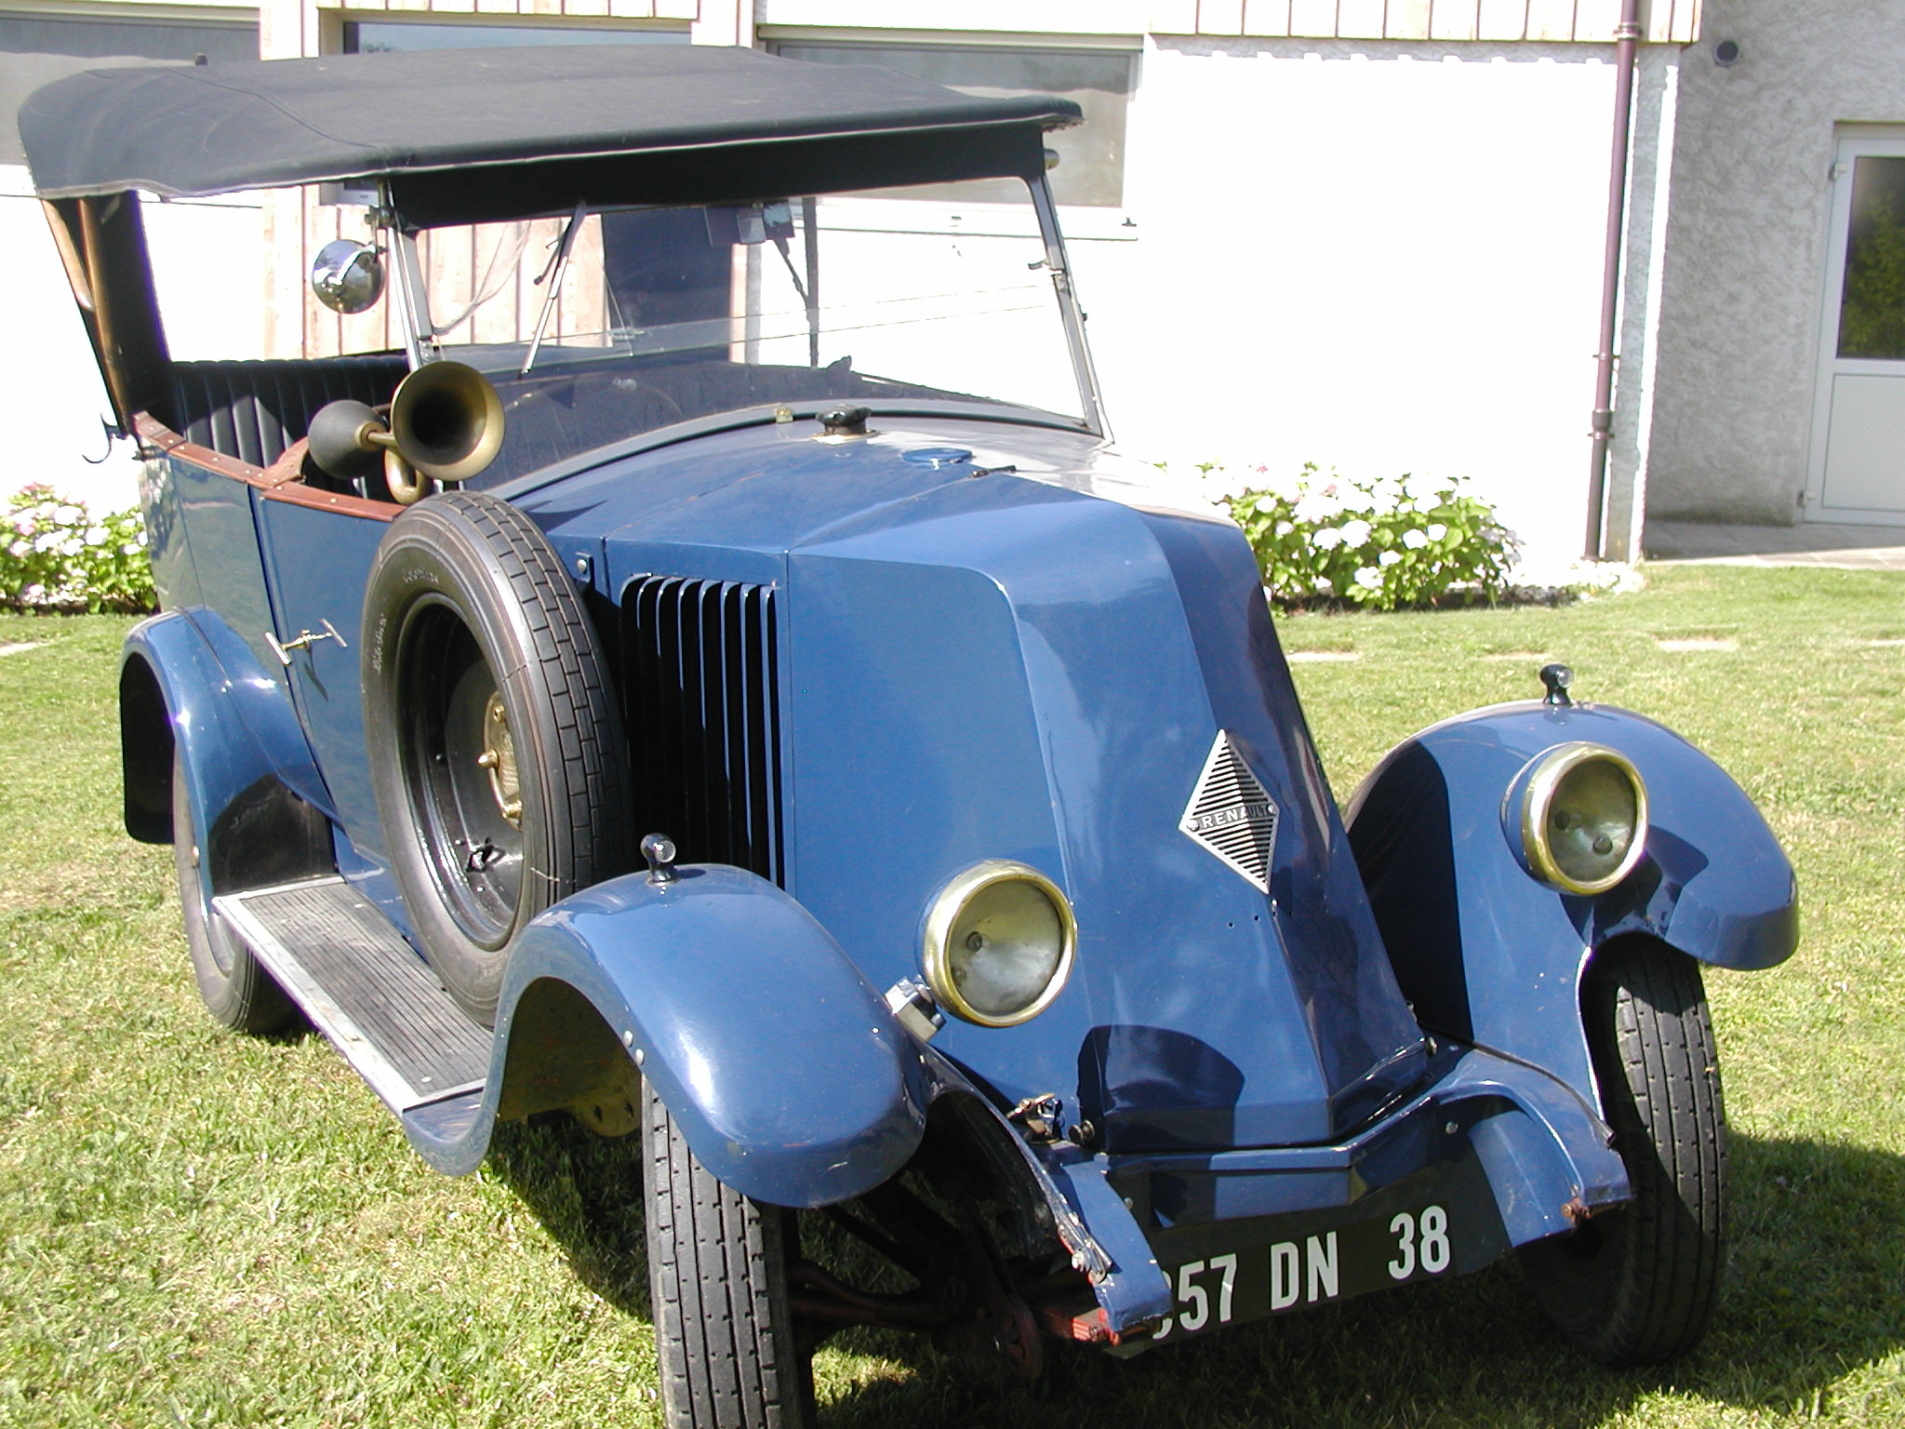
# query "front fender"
(1488, 955)
(781, 1064)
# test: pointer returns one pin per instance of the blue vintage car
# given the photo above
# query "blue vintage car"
(736, 696)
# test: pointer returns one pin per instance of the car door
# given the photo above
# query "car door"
(318, 550)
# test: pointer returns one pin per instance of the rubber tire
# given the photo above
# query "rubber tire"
(1637, 1285)
(234, 985)
(725, 1341)
(467, 558)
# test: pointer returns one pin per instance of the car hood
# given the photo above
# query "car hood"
(1038, 663)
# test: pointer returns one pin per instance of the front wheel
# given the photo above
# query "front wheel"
(1637, 1285)
(725, 1342)
(234, 984)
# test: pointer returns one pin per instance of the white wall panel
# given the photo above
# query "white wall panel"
(1384, 257)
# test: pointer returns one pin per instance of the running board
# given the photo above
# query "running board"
(365, 989)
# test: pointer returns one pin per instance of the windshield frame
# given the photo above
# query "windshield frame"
(421, 341)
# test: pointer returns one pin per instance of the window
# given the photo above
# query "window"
(37, 49)
(373, 36)
(1090, 168)
(141, 37)
(1872, 313)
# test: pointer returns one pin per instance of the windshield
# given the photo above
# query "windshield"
(605, 325)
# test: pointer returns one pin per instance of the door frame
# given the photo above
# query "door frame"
(1850, 144)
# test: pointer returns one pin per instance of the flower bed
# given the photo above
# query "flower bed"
(1326, 539)
(57, 557)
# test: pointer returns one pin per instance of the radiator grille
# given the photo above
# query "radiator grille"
(704, 719)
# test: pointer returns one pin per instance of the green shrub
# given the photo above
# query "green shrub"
(1325, 539)
(55, 556)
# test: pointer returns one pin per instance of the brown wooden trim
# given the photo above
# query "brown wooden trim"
(128, 337)
(69, 256)
(299, 494)
(283, 480)
(289, 466)
(153, 433)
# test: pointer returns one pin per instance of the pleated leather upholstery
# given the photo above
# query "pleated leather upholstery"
(254, 410)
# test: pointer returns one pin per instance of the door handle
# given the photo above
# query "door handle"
(304, 641)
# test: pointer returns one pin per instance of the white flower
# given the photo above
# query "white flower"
(1436, 531)
(1325, 583)
(1389, 558)
(71, 546)
(1283, 488)
(1329, 538)
(1284, 528)
(1316, 507)
(131, 548)
(96, 535)
(1369, 578)
(18, 550)
(1414, 540)
(1356, 532)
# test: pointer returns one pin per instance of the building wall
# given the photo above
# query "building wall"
(1579, 21)
(1365, 233)
(1746, 246)
(1359, 232)
(51, 396)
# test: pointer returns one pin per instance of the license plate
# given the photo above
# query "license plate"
(1308, 1268)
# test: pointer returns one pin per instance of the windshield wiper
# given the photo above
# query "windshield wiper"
(553, 274)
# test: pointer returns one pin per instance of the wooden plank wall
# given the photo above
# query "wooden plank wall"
(290, 28)
(1578, 21)
(454, 260)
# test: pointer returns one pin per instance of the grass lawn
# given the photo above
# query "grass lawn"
(197, 1228)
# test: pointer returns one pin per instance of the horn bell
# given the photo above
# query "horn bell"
(447, 421)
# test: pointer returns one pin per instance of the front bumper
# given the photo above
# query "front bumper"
(1493, 1154)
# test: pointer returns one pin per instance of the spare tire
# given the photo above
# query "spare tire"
(494, 748)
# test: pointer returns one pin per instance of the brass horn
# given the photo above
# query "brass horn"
(446, 424)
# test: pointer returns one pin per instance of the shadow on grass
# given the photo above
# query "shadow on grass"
(587, 1191)
(1818, 1250)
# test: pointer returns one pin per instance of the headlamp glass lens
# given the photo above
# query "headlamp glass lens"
(1592, 820)
(998, 944)
(1005, 948)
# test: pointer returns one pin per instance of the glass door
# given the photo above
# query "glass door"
(1857, 469)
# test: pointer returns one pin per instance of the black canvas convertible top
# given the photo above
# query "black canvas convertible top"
(604, 124)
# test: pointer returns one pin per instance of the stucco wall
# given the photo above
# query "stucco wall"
(1637, 375)
(1746, 246)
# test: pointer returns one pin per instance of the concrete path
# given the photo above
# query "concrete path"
(1867, 548)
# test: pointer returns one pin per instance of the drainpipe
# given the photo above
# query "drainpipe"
(1627, 51)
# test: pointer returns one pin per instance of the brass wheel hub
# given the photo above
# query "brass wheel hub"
(499, 760)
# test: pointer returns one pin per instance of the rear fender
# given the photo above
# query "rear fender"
(253, 785)
(1488, 955)
(780, 1063)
